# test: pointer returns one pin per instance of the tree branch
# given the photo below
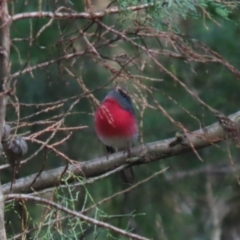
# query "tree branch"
(48, 63)
(82, 15)
(143, 154)
(4, 86)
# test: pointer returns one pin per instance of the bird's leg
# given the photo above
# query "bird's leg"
(110, 150)
(130, 159)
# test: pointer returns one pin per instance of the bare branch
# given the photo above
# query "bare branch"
(82, 15)
(4, 86)
(48, 63)
(141, 155)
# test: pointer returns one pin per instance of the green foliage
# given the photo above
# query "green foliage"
(164, 14)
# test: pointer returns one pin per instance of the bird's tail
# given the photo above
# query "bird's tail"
(127, 175)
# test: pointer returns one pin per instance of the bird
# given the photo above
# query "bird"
(116, 125)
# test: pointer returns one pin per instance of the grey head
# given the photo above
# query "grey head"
(122, 97)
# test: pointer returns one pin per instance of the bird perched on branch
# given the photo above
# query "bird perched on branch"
(116, 125)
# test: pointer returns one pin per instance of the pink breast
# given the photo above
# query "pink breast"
(111, 120)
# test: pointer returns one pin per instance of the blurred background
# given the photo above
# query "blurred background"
(193, 199)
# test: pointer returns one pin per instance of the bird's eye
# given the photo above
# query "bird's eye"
(123, 93)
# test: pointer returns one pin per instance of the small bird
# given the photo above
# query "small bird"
(116, 125)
